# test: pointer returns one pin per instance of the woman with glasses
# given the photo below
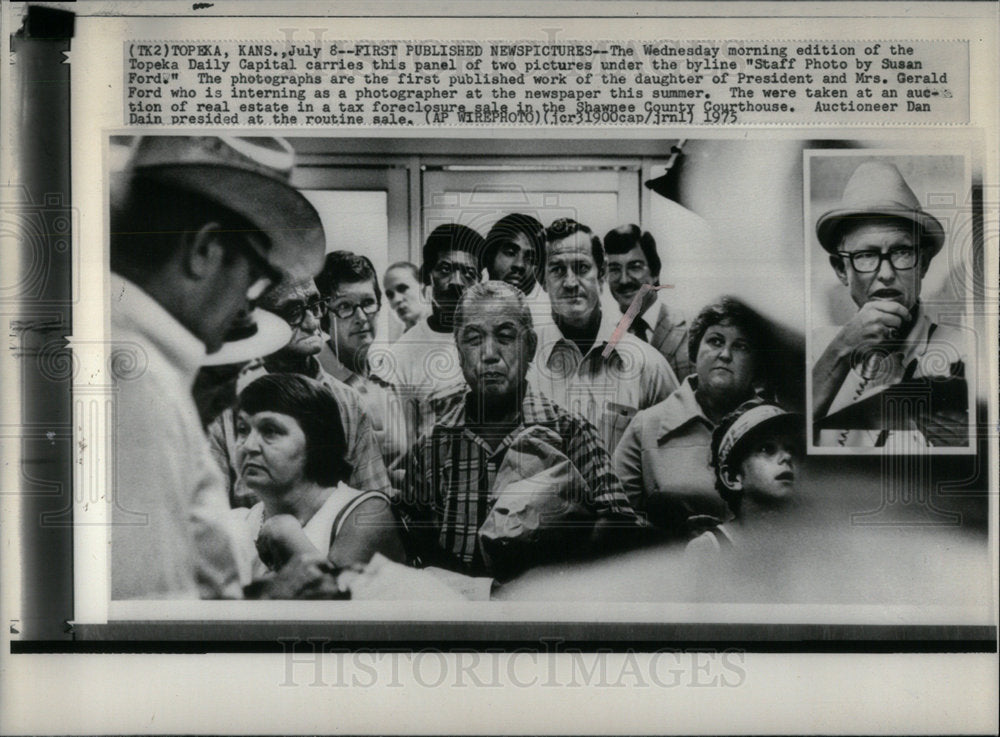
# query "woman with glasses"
(290, 452)
(350, 287)
(300, 305)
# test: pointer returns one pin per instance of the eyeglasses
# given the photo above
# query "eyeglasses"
(444, 269)
(295, 313)
(347, 310)
(866, 262)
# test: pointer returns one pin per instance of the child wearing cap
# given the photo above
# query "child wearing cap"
(756, 451)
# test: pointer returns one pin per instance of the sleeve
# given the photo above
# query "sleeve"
(660, 380)
(220, 448)
(628, 463)
(363, 453)
(607, 499)
(413, 505)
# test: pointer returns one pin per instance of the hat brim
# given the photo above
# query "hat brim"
(792, 422)
(281, 212)
(830, 223)
(272, 335)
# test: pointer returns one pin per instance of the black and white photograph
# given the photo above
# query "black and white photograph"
(892, 356)
(566, 367)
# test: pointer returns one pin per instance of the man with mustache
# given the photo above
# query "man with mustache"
(298, 302)
(880, 243)
(515, 248)
(570, 366)
(632, 262)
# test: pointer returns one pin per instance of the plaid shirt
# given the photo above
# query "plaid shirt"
(450, 472)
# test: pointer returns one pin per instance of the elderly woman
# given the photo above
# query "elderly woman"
(664, 459)
(290, 451)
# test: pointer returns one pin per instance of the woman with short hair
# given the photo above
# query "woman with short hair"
(664, 458)
(290, 451)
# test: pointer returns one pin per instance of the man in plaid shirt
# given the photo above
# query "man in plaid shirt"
(446, 493)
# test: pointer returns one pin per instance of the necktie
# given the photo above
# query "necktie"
(640, 329)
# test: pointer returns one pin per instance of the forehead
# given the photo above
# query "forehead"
(635, 254)
(457, 257)
(268, 415)
(728, 329)
(301, 291)
(877, 234)
(574, 247)
(517, 240)
(399, 275)
(355, 289)
(491, 312)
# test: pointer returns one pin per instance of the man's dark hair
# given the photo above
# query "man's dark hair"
(565, 227)
(507, 229)
(626, 237)
(148, 227)
(318, 414)
(345, 267)
(449, 237)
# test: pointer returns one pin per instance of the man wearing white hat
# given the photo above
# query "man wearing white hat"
(890, 377)
(201, 227)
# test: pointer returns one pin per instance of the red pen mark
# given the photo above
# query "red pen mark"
(626, 321)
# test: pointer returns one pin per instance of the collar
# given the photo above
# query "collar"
(136, 309)
(329, 362)
(535, 408)
(680, 408)
(652, 313)
(550, 336)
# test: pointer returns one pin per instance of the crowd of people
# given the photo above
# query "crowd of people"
(512, 424)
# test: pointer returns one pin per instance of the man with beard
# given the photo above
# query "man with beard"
(880, 243)
(515, 248)
(569, 365)
(632, 262)
(425, 358)
(299, 303)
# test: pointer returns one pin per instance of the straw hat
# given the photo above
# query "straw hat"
(249, 176)
(877, 189)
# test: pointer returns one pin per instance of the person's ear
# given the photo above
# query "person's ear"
(925, 262)
(203, 251)
(837, 262)
(736, 481)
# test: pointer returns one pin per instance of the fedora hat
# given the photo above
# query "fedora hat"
(250, 176)
(254, 335)
(877, 189)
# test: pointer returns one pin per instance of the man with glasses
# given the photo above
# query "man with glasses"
(425, 358)
(200, 228)
(300, 304)
(350, 287)
(890, 377)
(632, 262)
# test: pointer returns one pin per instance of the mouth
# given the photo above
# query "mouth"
(887, 294)
(249, 467)
(786, 477)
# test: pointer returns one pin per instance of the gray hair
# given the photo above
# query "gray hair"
(494, 289)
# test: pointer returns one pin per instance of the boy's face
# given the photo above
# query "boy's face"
(768, 471)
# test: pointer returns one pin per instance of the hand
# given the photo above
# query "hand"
(877, 322)
(305, 576)
(384, 580)
(281, 538)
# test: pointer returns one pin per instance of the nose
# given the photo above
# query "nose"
(726, 352)
(571, 280)
(250, 443)
(886, 271)
(490, 354)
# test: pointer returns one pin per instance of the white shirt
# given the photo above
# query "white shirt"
(607, 392)
(170, 535)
